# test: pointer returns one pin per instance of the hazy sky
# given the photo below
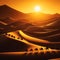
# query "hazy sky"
(27, 6)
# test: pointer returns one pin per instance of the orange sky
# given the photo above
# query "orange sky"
(27, 6)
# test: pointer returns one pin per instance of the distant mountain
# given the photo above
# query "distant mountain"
(55, 15)
(10, 16)
(53, 23)
(6, 11)
(39, 15)
(41, 19)
(35, 18)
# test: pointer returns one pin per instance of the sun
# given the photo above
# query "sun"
(37, 8)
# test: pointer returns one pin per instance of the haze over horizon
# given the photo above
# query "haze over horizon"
(27, 6)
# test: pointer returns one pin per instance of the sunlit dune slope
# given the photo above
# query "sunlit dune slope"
(51, 35)
(54, 45)
(18, 37)
(12, 43)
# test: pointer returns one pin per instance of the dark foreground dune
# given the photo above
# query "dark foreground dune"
(30, 55)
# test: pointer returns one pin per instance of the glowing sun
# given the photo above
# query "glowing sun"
(37, 8)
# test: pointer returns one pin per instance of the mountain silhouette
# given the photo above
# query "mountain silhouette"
(10, 16)
(56, 15)
(6, 11)
(42, 19)
(53, 23)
